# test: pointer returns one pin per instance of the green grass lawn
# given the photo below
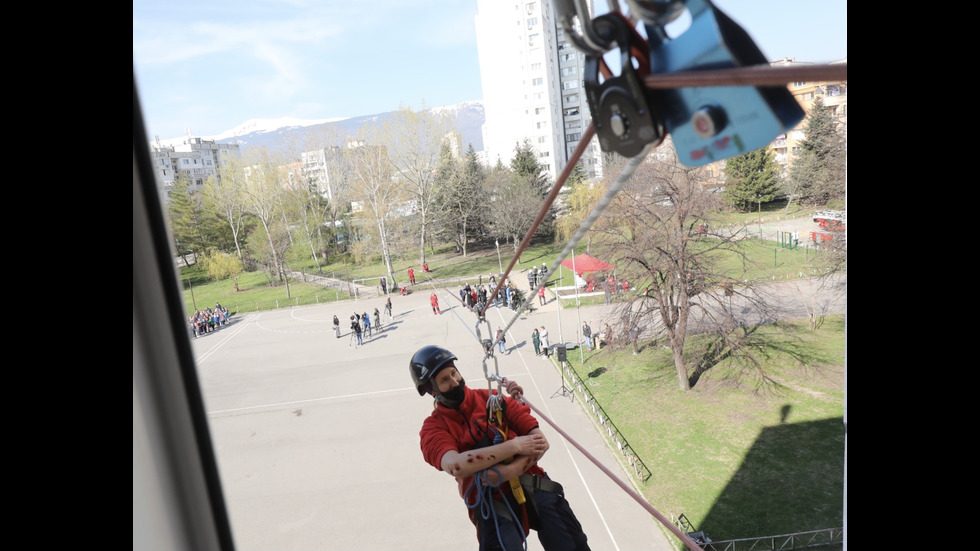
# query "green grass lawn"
(766, 260)
(736, 460)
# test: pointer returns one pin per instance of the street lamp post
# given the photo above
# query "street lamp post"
(499, 264)
(191, 287)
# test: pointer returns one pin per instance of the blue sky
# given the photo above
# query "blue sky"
(210, 66)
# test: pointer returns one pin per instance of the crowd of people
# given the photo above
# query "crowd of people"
(364, 325)
(209, 320)
(477, 297)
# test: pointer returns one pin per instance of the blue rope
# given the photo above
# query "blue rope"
(484, 500)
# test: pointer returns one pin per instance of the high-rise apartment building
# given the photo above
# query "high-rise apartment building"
(532, 85)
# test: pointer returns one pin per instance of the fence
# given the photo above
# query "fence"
(593, 407)
(799, 540)
(304, 300)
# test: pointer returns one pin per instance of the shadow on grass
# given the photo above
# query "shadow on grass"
(595, 373)
(791, 480)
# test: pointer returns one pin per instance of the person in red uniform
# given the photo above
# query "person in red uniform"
(484, 454)
(435, 303)
(411, 275)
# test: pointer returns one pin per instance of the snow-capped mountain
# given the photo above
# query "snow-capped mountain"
(275, 134)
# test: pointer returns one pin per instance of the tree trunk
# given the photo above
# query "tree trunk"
(677, 347)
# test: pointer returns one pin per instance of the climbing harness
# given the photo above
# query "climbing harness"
(488, 506)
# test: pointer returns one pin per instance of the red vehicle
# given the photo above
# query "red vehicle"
(831, 220)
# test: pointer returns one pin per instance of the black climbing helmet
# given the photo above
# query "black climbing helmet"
(426, 363)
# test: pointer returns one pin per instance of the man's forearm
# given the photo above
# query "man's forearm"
(473, 461)
(511, 470)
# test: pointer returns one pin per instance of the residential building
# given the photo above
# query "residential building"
(784, 146)
(834, 94)
(195, 159)
(532, 85)
(322, 168)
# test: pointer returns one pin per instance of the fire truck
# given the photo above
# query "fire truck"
(830, 221)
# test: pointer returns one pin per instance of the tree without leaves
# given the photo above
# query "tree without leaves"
(268, 245)
(650, 232)
(414, 140)
(513, 205)
(262, 192)
(325, 167)
(578, 202)
(307, 212)
(224, 195)
(376, 189)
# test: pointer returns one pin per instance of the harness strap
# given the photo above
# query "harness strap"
(537, 482)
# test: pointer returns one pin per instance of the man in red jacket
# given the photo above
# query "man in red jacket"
(435, 303)
(493, 455)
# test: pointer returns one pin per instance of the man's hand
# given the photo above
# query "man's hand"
(533, 445)
(515, 390)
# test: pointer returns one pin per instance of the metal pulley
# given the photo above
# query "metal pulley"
(712, 123)
(623, 119)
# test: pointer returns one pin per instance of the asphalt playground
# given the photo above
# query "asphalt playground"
(317, 439)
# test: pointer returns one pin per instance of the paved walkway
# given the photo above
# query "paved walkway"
(317, 439)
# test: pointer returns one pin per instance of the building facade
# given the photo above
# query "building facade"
(532, 86)
(195, 160)
(834, 94)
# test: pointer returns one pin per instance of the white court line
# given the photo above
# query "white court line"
(224, 339)
(564, 442)
(276, 405)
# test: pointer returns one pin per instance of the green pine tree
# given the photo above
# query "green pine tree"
(527, 168)
(819, 169)
(752, 179)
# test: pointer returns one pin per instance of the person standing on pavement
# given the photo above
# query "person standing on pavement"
(367, 325)
(536, 341)
(384, 285)
(388, 308)
(355, 326)
(434, 300)
(587, 335)
(377, 319)
(336, 325)
(502, 340)
(541, 300)
(545, 345)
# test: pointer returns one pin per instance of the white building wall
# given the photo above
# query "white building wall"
(521, 64)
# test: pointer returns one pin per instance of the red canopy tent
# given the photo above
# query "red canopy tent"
(586, 263)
